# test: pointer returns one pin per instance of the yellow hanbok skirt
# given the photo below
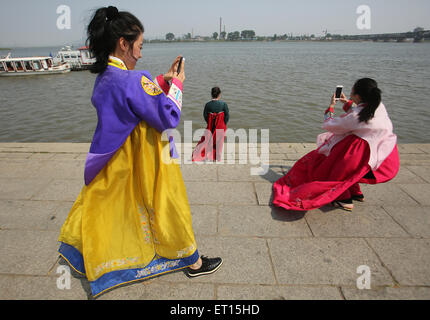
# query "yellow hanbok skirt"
(133, 221)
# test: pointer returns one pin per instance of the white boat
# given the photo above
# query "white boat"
(79, 59)
(27, 66)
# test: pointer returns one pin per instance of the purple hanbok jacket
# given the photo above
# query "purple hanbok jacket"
(123, 98)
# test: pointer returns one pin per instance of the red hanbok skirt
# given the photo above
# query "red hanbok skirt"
(317, 180)
(212, 142)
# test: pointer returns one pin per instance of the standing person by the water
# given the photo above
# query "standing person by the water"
(132, 219)
(358, 147)
(216, 115)
(216, 105)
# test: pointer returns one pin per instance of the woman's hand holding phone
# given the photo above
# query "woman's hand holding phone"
(333, 101)
(172, 71)
(181, 75)
(343, 98)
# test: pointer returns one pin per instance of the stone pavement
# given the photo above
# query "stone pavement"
(268, 253)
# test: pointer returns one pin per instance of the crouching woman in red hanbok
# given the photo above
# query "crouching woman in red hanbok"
(358, 147)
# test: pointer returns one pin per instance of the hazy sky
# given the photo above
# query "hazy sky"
(34, 22)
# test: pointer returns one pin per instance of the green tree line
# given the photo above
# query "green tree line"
(250, 35)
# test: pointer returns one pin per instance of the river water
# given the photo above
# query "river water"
(281, 86)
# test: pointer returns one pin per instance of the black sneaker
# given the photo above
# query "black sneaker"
(209, 265)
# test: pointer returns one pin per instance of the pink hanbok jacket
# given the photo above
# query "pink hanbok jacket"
(378, 132)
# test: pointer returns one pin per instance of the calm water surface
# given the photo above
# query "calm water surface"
(281, 86)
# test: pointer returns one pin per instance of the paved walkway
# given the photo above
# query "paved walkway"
(268, 253)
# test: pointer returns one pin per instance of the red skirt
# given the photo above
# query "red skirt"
(317, 180)
(212, 142)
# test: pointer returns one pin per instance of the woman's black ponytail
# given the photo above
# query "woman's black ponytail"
(106, 27)
(370, 94)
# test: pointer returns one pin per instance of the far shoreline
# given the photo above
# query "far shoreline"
(277, 41)
(236, 41)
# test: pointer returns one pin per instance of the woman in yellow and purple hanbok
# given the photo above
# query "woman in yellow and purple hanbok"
(132, 219)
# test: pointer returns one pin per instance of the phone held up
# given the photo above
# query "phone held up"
(338, 92)
(180, 65)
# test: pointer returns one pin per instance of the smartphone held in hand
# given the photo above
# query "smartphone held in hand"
(338, 92)
(180, 65)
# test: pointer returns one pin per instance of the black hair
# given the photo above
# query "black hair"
(106, 27)
(215, 92)
(370, 94)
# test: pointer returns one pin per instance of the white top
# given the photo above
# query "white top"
(378, 132)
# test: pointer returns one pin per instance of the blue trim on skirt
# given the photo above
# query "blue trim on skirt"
(112, 279)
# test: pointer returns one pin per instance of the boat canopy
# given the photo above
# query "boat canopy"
(25, 64)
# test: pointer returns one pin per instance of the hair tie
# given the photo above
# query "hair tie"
(111, 13)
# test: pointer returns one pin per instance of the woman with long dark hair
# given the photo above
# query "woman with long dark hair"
(132, 219)
(358, 147)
